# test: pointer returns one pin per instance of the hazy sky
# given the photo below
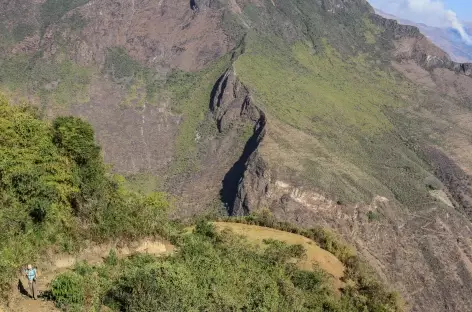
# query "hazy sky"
(463, 8)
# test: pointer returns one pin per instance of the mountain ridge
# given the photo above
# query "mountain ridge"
(443, 37)
(355, 109)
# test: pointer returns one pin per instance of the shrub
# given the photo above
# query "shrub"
(132, 215)
(120, 65)
(75, 138)
(208, 275)
(68, 289)
(226, 274)
(372, 215)
(55, 190)
(366, 293)
(112, 258)
(308, 281)
(205, 228)
(280, 251)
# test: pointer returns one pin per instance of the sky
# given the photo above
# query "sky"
(439, 13)
(463, 8)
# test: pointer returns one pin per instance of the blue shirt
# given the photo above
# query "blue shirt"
(31, 274)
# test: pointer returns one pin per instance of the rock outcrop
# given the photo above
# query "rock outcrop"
(246, 183)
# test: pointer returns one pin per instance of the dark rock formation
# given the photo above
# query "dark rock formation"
(246, 183)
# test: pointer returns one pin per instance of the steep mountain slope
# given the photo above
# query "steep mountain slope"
(447, 39)
(320, 111)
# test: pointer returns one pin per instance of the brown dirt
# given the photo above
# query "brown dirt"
(153, 32)
(57, 264)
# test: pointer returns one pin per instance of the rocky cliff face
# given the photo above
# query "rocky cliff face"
(232, 103)
(412, 45)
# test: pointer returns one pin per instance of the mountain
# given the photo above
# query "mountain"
(58, 196)
(321, 112)
(447, 39)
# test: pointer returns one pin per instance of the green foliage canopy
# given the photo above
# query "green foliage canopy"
(55, 190)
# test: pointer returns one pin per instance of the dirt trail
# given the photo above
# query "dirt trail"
(50, 267)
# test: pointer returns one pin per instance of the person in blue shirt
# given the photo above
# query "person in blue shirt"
(31, 275)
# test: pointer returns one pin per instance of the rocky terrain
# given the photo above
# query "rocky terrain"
(320, 111)
(448, 39)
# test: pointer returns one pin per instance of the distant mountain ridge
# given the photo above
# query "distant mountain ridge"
(447, 39)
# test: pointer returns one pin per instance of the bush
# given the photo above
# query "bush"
(132, 215)
(68, 289)
(227, 274)
(308, 281)
(55, 190)
(75, 138)
(212, 275)
(35, 184)
(366, 294)
(205, 228)
(372, 215)
(112, 258)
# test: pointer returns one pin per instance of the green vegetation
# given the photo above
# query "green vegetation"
(144, 182)
(121, 65)
(190, 94)
(342, 106)
(373, 216)
(53, 10)
(21, 31)
(5, 36)
(73, 83)
(299, 86)
(362, 284)
(55, 191)
(75, 21)
(211, 271)
(372, 31)
(62, 83)
(15, 72)
(142, 84)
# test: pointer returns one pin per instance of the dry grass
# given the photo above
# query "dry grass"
(315, 256)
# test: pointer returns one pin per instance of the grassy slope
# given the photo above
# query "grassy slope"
(191, 93)
(52, 82)
(315, 256)
(342, 104)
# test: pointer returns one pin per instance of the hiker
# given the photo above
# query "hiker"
(31, 275)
